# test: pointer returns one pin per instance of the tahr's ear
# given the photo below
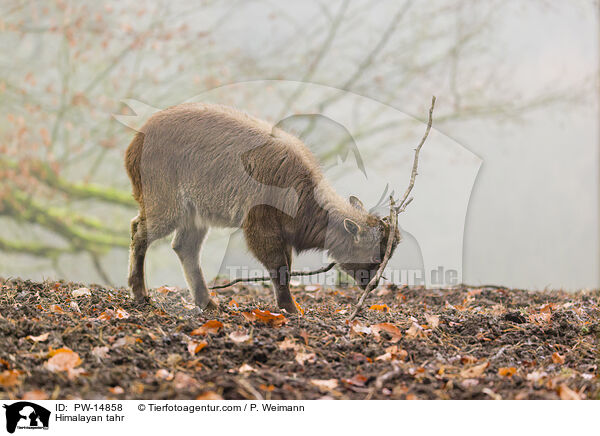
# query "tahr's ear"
(356, 203)
(352, 228)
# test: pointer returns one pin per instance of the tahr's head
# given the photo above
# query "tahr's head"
(365, 243)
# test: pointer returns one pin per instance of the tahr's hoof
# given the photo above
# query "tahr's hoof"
(289, 308)
(211, 306)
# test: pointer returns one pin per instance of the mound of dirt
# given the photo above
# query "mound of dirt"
(63, 340)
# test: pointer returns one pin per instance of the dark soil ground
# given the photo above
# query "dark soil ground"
(468, 343)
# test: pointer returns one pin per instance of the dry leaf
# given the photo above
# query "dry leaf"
(9, 378)
(164, 374)
(507, 372)
(356, 328)
(209, 395)
(212, 327)
(380, 307)
(566, 393)
(233, 303)
(81, 292)
(467, 359)
(184, 381)
(272, 319)
(558, 358)
(432, 320)
(100, 352)
(288, 344)
(393, 331)
(35, 395)
(63, 359)
(239, 337)
(195, 346)
(325, 384)
(358, 380)
(536, 375)
(474, 371)
(415, 331)
(125, 340)
(41, 338)
(121, 314)
(166, 290)
(248, 316)
(245, 368)
(55, 308)
(302, 357)
(393, 353)
(117, 390)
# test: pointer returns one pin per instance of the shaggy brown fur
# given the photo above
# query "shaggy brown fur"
(196, 166)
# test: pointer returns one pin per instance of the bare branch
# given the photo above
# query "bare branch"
(388, 251)
(413, 175)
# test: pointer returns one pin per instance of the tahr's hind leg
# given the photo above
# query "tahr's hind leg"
(137, 255)
(187, 243)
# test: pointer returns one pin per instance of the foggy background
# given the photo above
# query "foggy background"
(516, 86)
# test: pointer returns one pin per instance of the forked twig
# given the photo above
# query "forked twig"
(394, 212)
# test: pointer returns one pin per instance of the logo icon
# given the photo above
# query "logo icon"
(26, 415)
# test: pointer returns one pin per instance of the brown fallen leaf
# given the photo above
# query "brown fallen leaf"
(35, 395)
(302, 357)
(100, 352)
(81, 292)
(507, 372)
(467, 359)
(357, 328)
(209, 395)
(212, 327)
(116, 390)
(380, 307)
(63, 359)
(9, 378)
(358, 380)
(272, 319)
(432, 320)
(474, 371)
(566, 393)
(195, 346)
(415, 331)
(166, 290)
(184, 381)
(248, 316)
(391, 329)
(558, 358)
(245, 368)
(41, 338)
(55, 308)
(239, 336)
(393, 353)
(164, 374)
(326, 385)
(288, 344)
